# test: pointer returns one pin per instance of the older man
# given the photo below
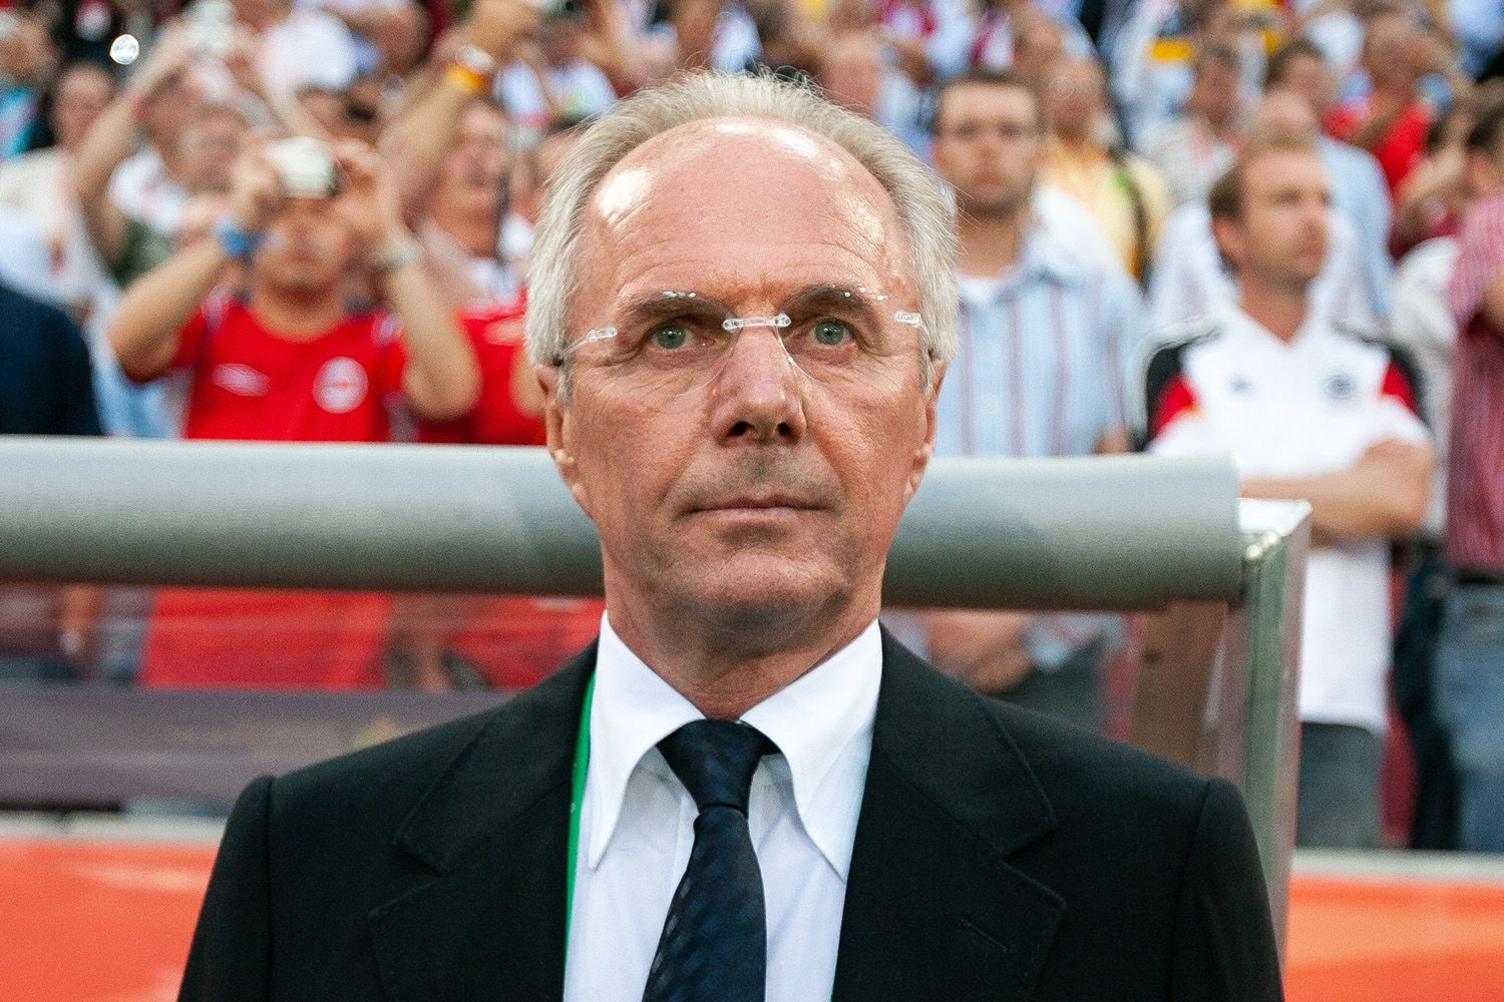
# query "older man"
(742, 310)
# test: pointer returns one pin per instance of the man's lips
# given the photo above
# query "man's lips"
(771, 502)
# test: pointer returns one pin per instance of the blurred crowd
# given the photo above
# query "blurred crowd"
(1269, 228)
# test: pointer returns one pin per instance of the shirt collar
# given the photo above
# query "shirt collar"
(812, 721)
(1047, 256)
(1233, 319)
(1042, 256)
(632, 709)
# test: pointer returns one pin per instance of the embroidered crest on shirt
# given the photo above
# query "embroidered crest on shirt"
(1339, 386)
(341, 385)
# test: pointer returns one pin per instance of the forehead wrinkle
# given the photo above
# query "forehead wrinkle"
(663, 238)
(728, 283)
(673, 165)
(664, 259)
(653, 229)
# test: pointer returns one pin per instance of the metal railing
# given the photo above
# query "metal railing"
(1122, 533)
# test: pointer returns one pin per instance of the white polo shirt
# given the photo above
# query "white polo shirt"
(1296, 409)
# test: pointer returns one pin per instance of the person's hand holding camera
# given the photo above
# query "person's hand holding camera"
(367, 200)
(255, 191)
(370, 205)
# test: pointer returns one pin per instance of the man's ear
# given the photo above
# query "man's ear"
(1228, 237)
(1479, 173)
(926, 448)
(559, 427)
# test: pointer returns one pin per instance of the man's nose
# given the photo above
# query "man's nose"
(1318, 219)
(758, 392)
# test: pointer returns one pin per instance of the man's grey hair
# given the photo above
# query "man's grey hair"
(925, 213)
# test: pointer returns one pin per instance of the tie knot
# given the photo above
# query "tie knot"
(715, 760)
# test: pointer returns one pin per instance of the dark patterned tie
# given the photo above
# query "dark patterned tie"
(714, 946)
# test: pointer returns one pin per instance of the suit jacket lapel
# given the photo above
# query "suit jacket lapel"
(492, 835)
(933, 909)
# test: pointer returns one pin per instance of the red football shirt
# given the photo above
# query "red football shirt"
(248, 383)
(495, 332)
(251, 384)
(512, 641)
(1401, 148)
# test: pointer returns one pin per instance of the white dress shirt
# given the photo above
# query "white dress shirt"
(637, 820)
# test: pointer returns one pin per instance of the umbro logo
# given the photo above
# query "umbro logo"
(241, 380)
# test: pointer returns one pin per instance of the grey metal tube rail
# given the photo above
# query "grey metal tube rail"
(1126, 532)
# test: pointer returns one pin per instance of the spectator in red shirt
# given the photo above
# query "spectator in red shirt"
(291, 362)
(1391, 122)
(509, 641)
(451, 155)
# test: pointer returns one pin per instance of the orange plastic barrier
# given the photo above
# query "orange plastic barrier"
(95, 921)
(88, 921)
(1396, 940)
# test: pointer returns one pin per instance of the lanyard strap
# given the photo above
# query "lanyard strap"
(576, 802)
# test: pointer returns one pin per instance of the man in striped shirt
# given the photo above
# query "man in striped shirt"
(1046, 327)
(1470, 655)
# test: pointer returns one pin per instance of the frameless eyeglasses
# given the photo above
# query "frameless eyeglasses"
(675, 342)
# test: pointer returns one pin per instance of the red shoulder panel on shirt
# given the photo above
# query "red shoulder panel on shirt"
(1397, 385)
(1175, 399)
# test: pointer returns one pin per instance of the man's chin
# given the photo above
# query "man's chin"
(753, 593)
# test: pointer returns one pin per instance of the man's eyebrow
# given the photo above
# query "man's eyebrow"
(823, 296)
(654, 307)
(668, 305)
(837, 299)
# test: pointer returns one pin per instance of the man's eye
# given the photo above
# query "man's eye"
(670, 338)
(831, 333)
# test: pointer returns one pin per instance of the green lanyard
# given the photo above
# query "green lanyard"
(576, 803)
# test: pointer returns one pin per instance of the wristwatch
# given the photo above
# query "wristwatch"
(395, 254)
(238, 245)
(472, 70)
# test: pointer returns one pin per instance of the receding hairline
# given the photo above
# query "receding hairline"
(888, 263)
(925, 216)
(762, 128)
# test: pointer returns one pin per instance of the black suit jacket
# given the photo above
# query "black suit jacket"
(998, 856)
